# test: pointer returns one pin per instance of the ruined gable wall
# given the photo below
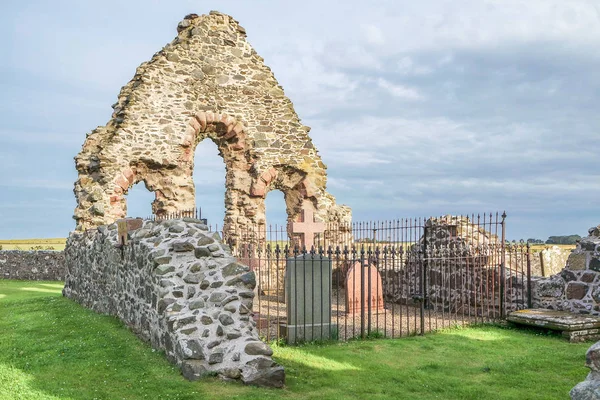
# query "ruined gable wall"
(208, 83)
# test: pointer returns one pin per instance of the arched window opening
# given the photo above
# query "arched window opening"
(276, 217)
(139, 201)
(209, 181)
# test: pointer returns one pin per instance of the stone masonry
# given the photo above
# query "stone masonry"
(208, 83)
(577, 287)
(176, 285)
(38, 265)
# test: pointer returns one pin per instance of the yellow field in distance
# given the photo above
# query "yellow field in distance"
(33, 244)
(59, 244)
(536, 248)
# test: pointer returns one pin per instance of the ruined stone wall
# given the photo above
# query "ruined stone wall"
(462, 270)
(577, 287)
(207, 84)
(178, 287)
(36, 265)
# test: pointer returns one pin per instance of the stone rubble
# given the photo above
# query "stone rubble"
(176, 285)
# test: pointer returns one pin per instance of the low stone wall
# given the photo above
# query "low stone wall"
(577, 287)
(32, 265)
(176, 285)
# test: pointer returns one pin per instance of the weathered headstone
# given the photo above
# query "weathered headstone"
(307, 227)
(553, 260)
(364, 289)
(308, 299)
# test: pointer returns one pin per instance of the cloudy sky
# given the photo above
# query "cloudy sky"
(417, 107)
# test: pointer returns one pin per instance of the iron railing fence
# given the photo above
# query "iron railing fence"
(195, 213)
(387, 278)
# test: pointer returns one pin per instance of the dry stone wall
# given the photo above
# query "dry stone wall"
(177, 286)
(32, 265)
(577, 287)
(207, 84)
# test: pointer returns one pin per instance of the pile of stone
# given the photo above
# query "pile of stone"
(462, 261)
(177, 285)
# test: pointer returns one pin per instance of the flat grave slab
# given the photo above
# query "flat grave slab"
(575, 327)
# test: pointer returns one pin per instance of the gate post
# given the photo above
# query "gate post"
(362, 291)
(423, 277)
(529, 305)
(503, 265)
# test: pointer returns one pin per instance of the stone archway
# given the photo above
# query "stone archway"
(208, 83)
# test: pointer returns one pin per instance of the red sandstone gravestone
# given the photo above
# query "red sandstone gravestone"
(370, 279)
(307, 227)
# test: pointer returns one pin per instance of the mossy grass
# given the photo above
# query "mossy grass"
(52, 348)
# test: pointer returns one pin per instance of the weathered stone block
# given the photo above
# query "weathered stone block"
(576, 290)
(577, 262)
(202, 252)
(234, 269)
(595, 264)
(258, 348)
(588, 277)
(182, 246)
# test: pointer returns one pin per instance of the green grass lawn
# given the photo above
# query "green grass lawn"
(51, 348)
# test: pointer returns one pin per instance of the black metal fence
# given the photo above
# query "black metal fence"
(394, 278)
(385, 279)
(195, 213)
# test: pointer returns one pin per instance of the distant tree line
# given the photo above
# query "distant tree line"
(570, 239)
(535, 241)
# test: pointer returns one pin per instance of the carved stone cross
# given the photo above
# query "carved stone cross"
(307, 227)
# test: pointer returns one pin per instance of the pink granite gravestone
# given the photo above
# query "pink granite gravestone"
(373, 289)
(307, 227)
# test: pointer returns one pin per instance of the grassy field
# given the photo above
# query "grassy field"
(33, 244)
(51, 348)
